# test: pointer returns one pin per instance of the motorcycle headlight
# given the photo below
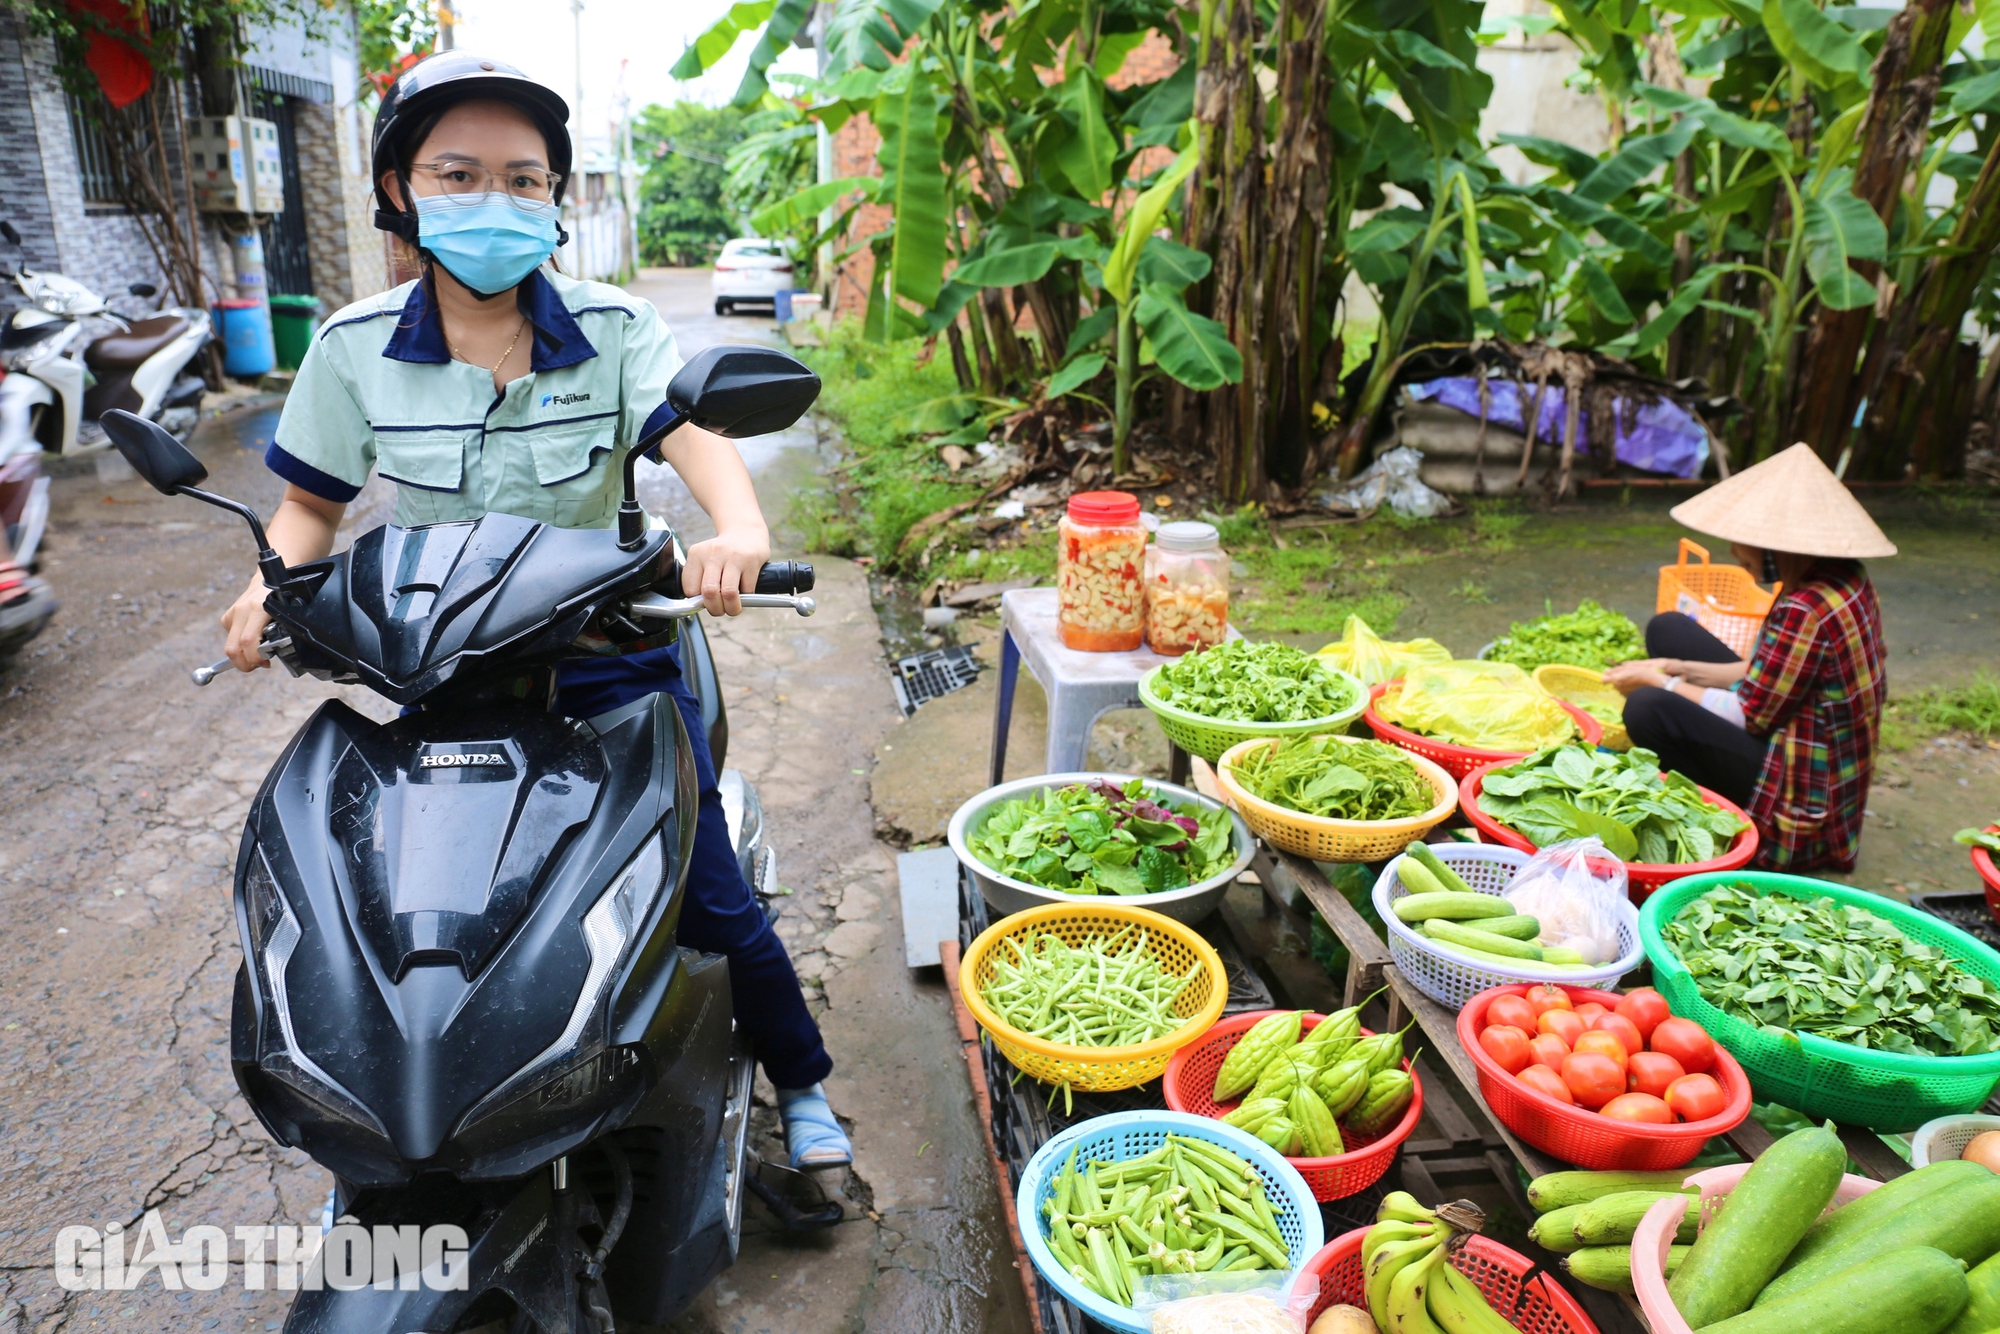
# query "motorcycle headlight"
(608, 929)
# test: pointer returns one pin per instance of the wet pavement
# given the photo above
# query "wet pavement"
(122, 794)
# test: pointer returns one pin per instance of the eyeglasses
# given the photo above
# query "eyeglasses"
(466, 182)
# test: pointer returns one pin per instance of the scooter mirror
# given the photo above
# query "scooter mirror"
(7, 230)
(153, 452)
(738, 390)
(142, 289)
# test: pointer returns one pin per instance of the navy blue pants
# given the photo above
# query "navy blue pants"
(719, 914)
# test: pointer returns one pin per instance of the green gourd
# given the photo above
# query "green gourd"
(1612, 1220)
(1982, 1313)
(1610, 1267)
(1859, 1216)
(1915, 1290)
(1558, 1190)
(1556, 1230)
(1774, 1204)
(1962, 1220)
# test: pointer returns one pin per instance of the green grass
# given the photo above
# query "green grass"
(1973, 708)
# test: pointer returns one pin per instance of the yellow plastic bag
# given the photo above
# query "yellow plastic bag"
(1485, 705)
(1366, 655)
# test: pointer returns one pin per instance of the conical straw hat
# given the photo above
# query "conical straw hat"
(1790, 502)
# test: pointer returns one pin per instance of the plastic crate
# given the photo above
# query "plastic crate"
(1128, 1135)
(1884, 1091)
(1190, 1081)
(1723, 599)
(1577, 1134)
(1522, 1292)
(1328, 840)
(1458, 761)
(1642, 879)
(1209, 737)
(1451, 978)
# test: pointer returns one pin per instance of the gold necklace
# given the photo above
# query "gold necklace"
(518, 331)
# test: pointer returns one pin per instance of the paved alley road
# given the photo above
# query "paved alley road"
(122, 794)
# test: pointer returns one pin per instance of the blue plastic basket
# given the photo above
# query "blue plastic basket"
(1127, 1135)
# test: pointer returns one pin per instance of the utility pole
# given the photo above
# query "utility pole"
(576, 107)
(447, 21)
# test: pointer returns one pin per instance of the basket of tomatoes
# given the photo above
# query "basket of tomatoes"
(1602, 1080)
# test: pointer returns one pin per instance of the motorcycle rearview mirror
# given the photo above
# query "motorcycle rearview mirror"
(735, 390)
(142, 289)
(170, 468)
(7, 230)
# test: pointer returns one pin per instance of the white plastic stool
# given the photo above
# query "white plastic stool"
(1082, 687)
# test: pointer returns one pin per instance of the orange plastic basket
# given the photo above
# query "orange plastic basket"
(1989, 875)
(1191, 1080)
(1520, 1290)
(1723, 599)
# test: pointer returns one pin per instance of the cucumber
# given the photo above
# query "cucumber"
(1780, 1197)
(1963, 1221)
(1418, 879)
(1558, 1190)
(1850, 1220)
(1456, 907)
(1915, 1290)
(1517, 926)
(1610, 1267)
(1613, 1220)
(1439, 869)
(1556, 1230)
(1451, 933)
(1982, 1313)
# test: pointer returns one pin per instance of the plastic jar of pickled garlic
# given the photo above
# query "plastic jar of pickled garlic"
(1187, 589)
(1100, 565)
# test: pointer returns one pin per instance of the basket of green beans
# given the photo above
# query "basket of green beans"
(1116, 1198)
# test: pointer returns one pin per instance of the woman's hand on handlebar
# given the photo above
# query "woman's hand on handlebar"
(722, 569)
(243, 628)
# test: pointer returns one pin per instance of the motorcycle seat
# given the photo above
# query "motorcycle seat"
(123, 351)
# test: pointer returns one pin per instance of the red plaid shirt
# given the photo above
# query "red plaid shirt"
(1815, 687)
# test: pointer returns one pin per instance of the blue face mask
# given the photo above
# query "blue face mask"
(488, 243)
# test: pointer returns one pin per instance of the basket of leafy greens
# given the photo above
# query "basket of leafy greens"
(1210, 700)
(1054, 837)
(1335, 798)
(1661, 825)
(1838, 1002)
(1591, 636)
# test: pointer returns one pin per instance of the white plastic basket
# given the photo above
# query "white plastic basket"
(1944, 1139)
(1451, 978)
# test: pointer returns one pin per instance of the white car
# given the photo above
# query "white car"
(750, 268)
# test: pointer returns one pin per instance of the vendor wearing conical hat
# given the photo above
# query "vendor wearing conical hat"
(1789, 735)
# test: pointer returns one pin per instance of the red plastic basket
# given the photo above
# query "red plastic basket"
(1577, 1134)
(1190, 1079)
(1642, 878)
(1535, 1305)
(1982, 862)
(1458, 761)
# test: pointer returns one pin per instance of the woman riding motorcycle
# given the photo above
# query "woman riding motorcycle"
(492, 384)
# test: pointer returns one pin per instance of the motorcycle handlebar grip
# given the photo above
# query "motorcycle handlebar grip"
(785, 577)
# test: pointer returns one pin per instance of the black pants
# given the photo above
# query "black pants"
(1688, 738)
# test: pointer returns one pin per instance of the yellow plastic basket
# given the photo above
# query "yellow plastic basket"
(1723, 599)
(1096, 1069)
(1329, 840)
(1582, 687)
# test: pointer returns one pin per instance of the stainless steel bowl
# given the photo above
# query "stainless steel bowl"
(1005, 895)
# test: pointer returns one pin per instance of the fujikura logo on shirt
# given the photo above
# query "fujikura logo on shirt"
(563, 400)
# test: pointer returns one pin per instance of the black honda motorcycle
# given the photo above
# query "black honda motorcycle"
(461, 990)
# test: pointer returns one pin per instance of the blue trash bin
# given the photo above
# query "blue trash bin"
(781, 300)
(249, 350)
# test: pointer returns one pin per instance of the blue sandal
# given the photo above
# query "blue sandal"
(813, 1138)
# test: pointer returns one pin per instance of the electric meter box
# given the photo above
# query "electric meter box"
(236, 164)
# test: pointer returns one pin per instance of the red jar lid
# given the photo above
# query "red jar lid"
(1104, 509)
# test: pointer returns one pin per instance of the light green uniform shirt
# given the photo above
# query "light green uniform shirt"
(379, 389)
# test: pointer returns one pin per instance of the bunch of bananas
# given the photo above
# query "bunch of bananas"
(1411, 1285)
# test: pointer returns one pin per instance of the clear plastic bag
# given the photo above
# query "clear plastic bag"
(1254, 1302)
(1485, 705)
(1364, 654)
(1576, 891)
(1392, 479)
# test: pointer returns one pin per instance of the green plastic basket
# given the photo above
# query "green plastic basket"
(1209, 737)
(1884, 1091)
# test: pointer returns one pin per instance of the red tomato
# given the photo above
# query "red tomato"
(1651, 1072)
(1593, 1078)
(1544, 1080)
(1588, 1012)
(1507, 1045)
(1618, 1026)
(1684, 1040)
(1548, 996)
(1549, 1050)
(1645, 1007)
(1639, 1107)
(1512, 1011)
(1561, 1023)
(1696, 1097)
(1605, 1045)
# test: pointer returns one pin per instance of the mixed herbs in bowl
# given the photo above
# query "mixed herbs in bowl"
(1101, 838)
